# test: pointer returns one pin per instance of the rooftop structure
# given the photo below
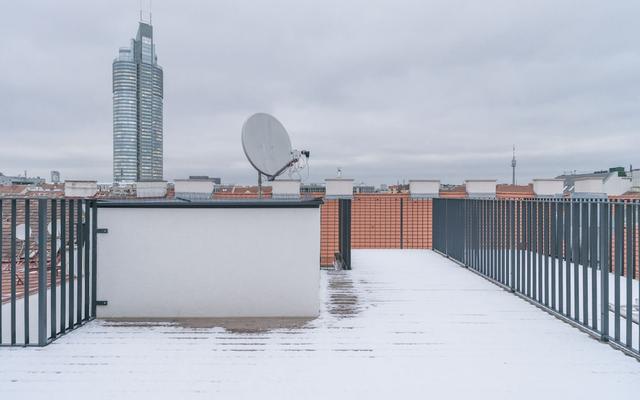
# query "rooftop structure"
(613, 182)
(20, 180)
(479, 188)
(196, 187)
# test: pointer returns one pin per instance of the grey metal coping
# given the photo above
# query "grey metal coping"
(249, 203)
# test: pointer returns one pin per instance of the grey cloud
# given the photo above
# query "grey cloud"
(387, 90)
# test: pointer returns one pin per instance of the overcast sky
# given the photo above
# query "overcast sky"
(386, 90)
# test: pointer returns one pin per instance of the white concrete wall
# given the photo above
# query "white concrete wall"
(285, 188)
(151, 189)
(424, 187)
(616, 185)
(193, 186)
(209, 262)
(588, 185)
(481, 187)
(80, 188)
(635, 181)
(339, 187)
(548, 187)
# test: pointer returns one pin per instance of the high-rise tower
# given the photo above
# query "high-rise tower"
(137, 110)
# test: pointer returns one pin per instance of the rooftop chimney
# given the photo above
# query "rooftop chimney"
(589, 187)
(548, 187)
(635, 180)
(481, 187)
(339, 188)
(151, 189)
(285, 189)
(424, 188)
(80, 188)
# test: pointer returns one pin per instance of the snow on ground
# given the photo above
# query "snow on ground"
(402, 323)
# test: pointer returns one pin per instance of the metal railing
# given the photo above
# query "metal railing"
(48, 268)
(576, 258)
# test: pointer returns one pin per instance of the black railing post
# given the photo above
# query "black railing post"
(628, 272)
(619, 248)
(575, 239)
(12, 273)
(86, 235)
(94, 257)
(54, 267)
(26, 268)
(1, 245)
(560, 253)
(593, 261)
(79, 249)
(605, 251)
(42, 272)
(401, 223)
(71, 259)
(63, 265)
(513, 242)
(344, 231)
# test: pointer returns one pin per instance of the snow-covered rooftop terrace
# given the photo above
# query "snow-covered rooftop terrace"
(402, 323)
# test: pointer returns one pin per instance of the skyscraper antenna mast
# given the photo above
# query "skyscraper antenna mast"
(513, 166)
(142, 11)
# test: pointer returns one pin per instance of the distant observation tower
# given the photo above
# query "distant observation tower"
(513, 167)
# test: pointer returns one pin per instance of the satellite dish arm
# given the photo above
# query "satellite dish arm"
(281, 170)
(294, 160)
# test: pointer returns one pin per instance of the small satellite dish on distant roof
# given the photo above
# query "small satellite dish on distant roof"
(21, 232)
(267, 146)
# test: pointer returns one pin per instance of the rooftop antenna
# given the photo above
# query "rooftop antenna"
(142, 11)
(513, 166)
(267, 146)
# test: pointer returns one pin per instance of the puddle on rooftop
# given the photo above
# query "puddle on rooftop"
(343, 300)
(231, 325)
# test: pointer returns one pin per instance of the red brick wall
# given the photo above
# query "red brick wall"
(375, 224)
(417, 224)
(375, 221)
(328, 231)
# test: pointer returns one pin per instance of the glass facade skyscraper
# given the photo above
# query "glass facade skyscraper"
(137, 110)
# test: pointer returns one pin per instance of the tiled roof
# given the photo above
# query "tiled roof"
(456, 191)
(12, 190)
(514, 191)
(627, 196)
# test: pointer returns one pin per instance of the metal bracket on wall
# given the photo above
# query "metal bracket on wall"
(102, 230)
(101, 302)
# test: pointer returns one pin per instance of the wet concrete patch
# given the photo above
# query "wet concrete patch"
(235, 325)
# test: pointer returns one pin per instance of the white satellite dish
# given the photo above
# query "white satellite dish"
(21, 232)
(267, 146)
